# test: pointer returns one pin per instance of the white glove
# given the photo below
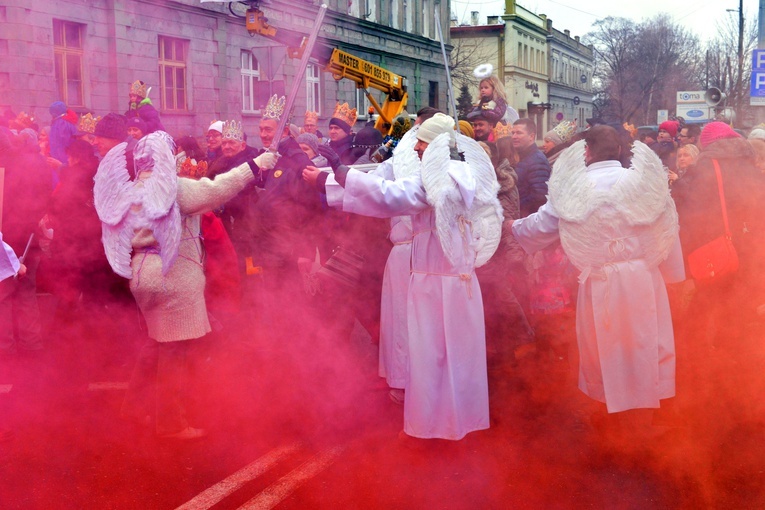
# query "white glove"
(266, 161)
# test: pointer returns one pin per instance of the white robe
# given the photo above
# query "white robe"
(393, 360)
(394, 335)
(446, 390)
(623, 323)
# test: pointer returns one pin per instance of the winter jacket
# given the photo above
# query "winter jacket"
(533, 172)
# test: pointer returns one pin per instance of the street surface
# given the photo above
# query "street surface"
(294, 429)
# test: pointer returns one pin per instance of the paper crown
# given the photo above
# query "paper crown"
(138, 88)
(87, 123)
(565, 130)
(275, 107)
(22, 121)
(345, 113)
(502, 130)
(232, 130)
(314, 116)
(631, 129)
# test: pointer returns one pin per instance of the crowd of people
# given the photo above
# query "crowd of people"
(468, 247)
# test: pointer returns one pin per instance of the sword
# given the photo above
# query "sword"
(452, 102)
(26, 250)
(296, 84)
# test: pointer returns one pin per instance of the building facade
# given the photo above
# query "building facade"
(536, 63)
(570, 73)
(201, 62)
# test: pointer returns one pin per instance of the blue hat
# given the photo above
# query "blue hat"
(57, 109)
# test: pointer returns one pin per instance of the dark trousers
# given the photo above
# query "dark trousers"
(159, 378)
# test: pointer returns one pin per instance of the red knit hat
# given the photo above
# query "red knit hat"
(670, 126)
(716, 131)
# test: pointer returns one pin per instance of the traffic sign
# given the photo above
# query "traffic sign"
(757, 83)
(576, 100)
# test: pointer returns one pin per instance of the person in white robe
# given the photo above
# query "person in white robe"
(619, 228)
(446, 384)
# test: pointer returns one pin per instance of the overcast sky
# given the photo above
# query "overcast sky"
(579, 15)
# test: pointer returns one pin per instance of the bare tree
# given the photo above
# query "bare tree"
(468, 53)
(720, 67)
(640, 67)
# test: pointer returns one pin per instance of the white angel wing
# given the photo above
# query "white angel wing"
(406, 162)
(441, 190)
(112, 190)
(647, 190)
(167, 232)
(569, 190)
(155, 166)
(117, 246)
(486, 215)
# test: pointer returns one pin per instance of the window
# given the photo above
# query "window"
(433, 94)
(362, 104)
(520, 55)
(394, 15)
(427, 18)
(68, 57)
(409, 16)
(250, 78)
(172, 74)
(313, 88)
(371, 11)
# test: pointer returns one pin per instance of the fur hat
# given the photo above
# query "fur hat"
(438, 124)
(716, 131)
(112, 126)
(368, 138)
(670, 126)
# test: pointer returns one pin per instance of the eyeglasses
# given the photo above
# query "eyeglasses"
(683, 136)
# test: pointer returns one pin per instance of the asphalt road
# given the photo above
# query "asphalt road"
(292, 428)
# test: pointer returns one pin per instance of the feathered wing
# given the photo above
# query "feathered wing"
(158, 185)
(442, 192)
(569, 190)
(167, 232)
(155, 165)
(113, 195)
(647, 190)
(405, 161)
(112, 189)
(485, 215)
(117, 247)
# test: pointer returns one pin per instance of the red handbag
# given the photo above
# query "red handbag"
(718, 257)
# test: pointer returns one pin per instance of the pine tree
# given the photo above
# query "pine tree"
(464, 101)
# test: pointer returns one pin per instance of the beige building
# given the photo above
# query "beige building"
(519, 45)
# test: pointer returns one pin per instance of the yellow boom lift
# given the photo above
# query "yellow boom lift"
(340, 65)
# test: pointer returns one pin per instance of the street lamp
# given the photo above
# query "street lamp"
(740, 52)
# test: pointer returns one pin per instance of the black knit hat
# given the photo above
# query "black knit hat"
(112, 126)
(341, 124)
(139, 123)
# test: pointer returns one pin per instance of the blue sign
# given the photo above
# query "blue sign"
(695, 113)
(757, 88)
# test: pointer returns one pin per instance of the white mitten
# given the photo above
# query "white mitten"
(266, 161)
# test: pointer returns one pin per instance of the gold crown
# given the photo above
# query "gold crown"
(502, 130)
(275, 107)
(87, 123)
(22, 121)
(565, 130)
(345, 113)
(312, 116)
(138, 88)
(631, 129)
(232, 130)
